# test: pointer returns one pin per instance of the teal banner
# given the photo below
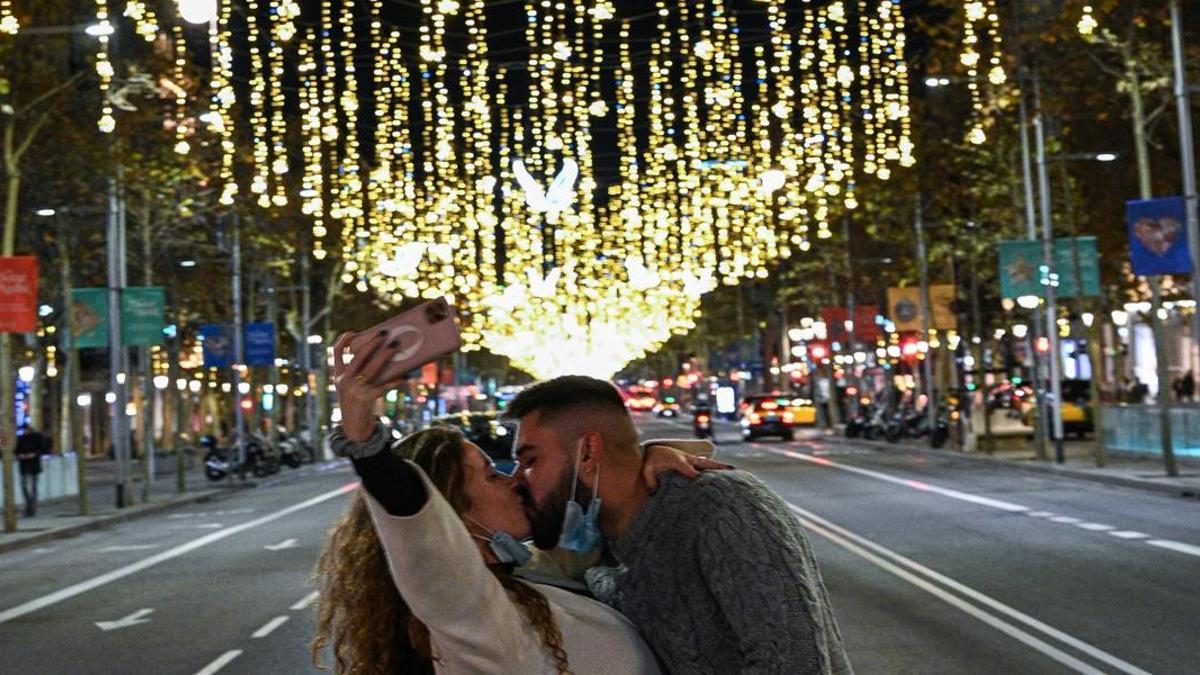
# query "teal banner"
(142, 310)
(89, 317)
(1076, 262)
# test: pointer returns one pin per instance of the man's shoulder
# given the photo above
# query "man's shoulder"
(720, 489)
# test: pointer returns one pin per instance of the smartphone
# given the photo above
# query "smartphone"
(426, 333)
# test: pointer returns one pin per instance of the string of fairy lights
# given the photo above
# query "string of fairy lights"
(981, 36)
(575, 205)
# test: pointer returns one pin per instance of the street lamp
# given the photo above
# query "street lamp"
(45, 213)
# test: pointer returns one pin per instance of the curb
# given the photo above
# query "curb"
(1038, 467)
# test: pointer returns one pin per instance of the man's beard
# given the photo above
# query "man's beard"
(546, 518)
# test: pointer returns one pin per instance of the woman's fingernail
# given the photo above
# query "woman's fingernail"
(394, 343)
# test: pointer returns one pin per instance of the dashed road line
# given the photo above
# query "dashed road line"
(220, 662)
(1095, 527)
(1066, 520)
(270, 626)
(304, 602)
(1129, 534)
(1175, 546)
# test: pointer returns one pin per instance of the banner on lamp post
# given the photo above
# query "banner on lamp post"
(218, 346)
(142, 310)
(260, 343)
(1158, 242)
(865, 328)
(89, 317)
(18, 294)
(904, 307)
(1076, 262)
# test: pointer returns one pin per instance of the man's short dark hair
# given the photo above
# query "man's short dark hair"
(562, 393)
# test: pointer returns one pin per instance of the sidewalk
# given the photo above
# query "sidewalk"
(1144, 472)
(60, 518)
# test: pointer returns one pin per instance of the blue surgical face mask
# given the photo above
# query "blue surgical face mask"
(581, 530)
(504, 546)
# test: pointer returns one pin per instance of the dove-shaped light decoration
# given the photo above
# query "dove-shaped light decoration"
(405, 262)
(441, 252)
(544, 288)
(640, 278)
(696, 286)
(558, 197)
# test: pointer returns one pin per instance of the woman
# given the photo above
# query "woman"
(417, 577)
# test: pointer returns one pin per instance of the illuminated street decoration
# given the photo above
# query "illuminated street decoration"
(981, 33)
(429, 169)
(8, 23)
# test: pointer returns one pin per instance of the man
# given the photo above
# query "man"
(30, 446)
(719, 576)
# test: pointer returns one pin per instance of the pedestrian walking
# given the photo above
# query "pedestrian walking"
(31, 444)
(1187, 386)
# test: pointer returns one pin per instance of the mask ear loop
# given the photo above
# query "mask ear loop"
(575, 475)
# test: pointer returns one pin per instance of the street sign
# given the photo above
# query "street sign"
(89, 317)
(1158, 242)
(18, 294)
(142, 316)
(218, 347)
(1076, 262)
(260, 343)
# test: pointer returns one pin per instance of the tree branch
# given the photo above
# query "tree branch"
(49, 93)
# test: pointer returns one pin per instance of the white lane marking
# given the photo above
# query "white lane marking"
(270, 626)
(955, 494)
(220, 662)
(286, 543)
(128, 547)
(1175, 546)
(304, 602)
(915, 484)
(209, 526)
(1041, 514)
(1095, 527)
(859, 545)
(132, 568)
(126, 621)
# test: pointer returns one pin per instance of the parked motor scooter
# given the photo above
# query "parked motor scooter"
(221, 462)
(289, 448)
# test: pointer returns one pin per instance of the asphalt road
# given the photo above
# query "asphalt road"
(934, 566)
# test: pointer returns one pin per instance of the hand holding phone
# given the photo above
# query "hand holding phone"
(367, 363)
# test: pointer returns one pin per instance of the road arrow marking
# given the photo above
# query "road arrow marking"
(286, 543)
(128, 547)
(125, 622)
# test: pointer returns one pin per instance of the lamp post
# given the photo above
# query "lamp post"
(1187, 158)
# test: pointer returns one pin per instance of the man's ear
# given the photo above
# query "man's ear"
(593, 448)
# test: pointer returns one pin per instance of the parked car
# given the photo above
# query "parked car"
(489, 432)
(1076, 408)
(767, 415)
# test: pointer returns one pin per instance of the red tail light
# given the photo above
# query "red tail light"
(703, 419)
(755, 418)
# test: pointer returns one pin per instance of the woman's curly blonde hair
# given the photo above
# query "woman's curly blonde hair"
(360, 614)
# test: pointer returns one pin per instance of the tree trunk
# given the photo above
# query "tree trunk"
(7, 438)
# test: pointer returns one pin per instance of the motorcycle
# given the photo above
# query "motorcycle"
(291, 448)
(220, 462)
(909, 423)
(702, 423)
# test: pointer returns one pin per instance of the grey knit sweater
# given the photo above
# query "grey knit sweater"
(720, 578)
